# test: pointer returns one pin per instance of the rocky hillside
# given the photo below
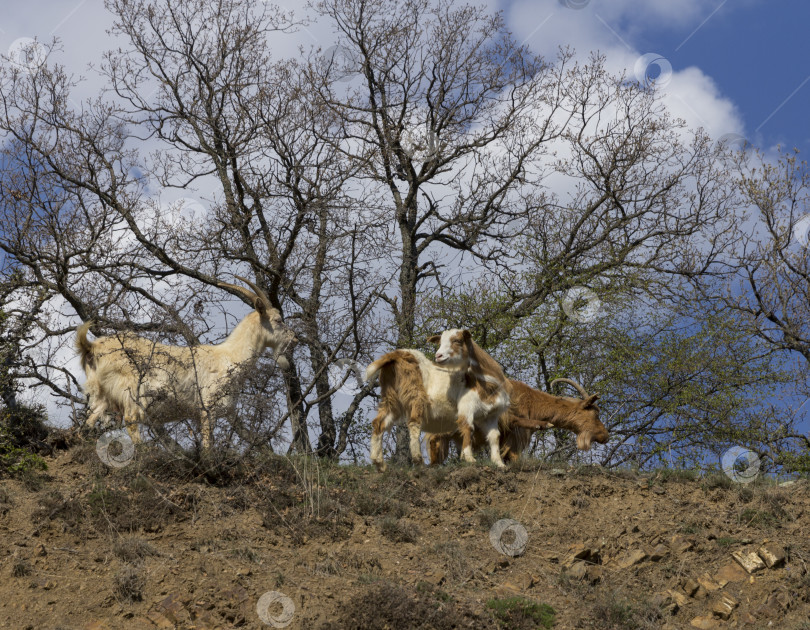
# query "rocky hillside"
(274, 542)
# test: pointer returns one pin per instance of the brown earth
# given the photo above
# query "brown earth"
(158, 544)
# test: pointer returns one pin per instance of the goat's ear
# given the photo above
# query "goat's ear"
(260, 306)
(434, 339)
(590, 400)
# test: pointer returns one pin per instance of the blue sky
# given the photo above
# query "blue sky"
(740, 65)
(759, 56)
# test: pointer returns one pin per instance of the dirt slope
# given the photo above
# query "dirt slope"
(157, 545)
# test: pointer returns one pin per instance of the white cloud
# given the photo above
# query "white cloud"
(609, 26)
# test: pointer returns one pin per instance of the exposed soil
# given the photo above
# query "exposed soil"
(156, 544)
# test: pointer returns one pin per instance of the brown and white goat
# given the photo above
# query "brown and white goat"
(136, 376)
(531, 410)
(462, 391)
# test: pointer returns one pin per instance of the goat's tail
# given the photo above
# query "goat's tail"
(84, 346)
(388, 358)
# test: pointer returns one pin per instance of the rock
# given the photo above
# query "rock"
(594, 573)
(724, 606)
(679, 544)
(575, 553)
(159, 620)
(659, 553)
(773, 555)
(708, 583)
(705, 622)
(435, 577)
(665, 602)
(630, 558)
(749, 561)
(557, 472)
(578, 570)
(659, 490)
(731, 572)
(690, 587)
(520, 582)
(679, 597)
(173, 609)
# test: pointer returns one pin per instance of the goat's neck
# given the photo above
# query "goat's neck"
(564, 412)
(246, 341)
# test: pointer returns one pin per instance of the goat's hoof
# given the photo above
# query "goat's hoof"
(380, 466)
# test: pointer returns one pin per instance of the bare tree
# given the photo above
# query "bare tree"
(763, 284)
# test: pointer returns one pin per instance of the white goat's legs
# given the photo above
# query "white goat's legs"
(381, 424)
(493, 436)
(205, 425)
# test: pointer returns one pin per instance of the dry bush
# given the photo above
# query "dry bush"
(134, 549)
(387, 606)
(128, 584)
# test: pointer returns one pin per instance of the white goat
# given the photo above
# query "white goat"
(136, 376)
(465, 389)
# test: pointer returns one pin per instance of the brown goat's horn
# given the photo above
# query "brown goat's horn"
(576, 385)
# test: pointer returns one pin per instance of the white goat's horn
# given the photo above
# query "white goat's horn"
(259, 293)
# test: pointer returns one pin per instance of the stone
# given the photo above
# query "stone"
(708, 583)
(159, 620)
(665, 602)
(731, 572)
(773, 555)
(659, 553)
(576, 553)
(724, 606)
(578, 570)
(594, 573)
(437, 578)
(690, 587)
(679, 544)
(749, 561)
(173, 609)
(679, 597)
(631, 558)
(705, 622)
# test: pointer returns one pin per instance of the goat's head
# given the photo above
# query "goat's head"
(275, 333)
(453, 347)
(588, 426)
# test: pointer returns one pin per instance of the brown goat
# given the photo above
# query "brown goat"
(531, 410)
(463, 390)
